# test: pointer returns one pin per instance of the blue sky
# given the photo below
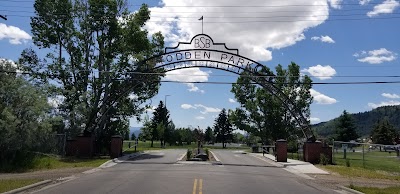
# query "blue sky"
(332, 41)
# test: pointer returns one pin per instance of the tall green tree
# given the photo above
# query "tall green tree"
(345, 128)
(266, 113)
(159, 124)
(209, 136)
(222, 127)
(133, 137)
(383, 132)
(95, 46)
(24, 118)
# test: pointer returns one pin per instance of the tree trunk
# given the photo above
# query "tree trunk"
(151, 143)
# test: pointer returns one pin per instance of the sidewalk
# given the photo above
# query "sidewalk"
(293, 165)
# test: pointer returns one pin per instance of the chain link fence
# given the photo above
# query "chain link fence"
(366, 155)
(51, 144)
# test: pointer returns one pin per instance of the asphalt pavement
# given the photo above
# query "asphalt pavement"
(159, 172)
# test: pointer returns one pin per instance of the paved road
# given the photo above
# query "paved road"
(158, 172)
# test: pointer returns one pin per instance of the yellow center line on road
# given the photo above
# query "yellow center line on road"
(194, 186)
(201, 186)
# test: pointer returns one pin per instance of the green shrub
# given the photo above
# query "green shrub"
(347, 162)
(189, 154)
(323, 159)
(207, 152)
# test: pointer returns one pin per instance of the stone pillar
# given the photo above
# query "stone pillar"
(116, 146)
(327, 150)
(85, 146)
(281, 150)
(312, 151)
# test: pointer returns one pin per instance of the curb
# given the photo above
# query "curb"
(350, 190)
(28, 187)
(215, 157)
(270, 161)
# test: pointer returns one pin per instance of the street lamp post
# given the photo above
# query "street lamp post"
(165, 100)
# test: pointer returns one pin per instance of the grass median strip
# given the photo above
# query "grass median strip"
(11, 184)
(374, 190)
(361, 172)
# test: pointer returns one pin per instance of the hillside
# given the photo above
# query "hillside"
(363, 121)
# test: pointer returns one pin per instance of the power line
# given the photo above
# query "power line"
(230, 17)
(212, 82)
(256, 21)
(241, 6)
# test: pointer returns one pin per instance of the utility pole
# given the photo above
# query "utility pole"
(3, 17)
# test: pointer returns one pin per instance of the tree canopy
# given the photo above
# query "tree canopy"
(223, 128)
(265, 113)
(383, 132)
(93, 51)
(345, 128)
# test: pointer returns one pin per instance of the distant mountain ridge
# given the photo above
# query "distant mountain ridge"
(364, 121)
(135, 130)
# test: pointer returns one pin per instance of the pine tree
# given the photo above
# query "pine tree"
(383, 132)
(222, 127)
(346, 129)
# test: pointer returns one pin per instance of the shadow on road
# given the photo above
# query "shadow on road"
(146, 156)
(250, 165)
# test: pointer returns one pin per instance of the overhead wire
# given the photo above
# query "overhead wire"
(211, 82)
(280, 5)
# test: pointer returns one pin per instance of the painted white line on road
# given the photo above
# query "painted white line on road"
(215, 156)
(64, 180)
(266, 160)
(181, 157)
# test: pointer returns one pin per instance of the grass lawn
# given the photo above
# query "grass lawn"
(42, 162)
(46, 162)
(379, 161)
(8, 185)
(360, 172)
(377, 165)
(373, 190)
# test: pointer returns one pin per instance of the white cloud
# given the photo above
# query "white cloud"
(188, 106)
(376, 56)
(387, 95)
(14, 34)
(207, 109)
(322, 98)
(364, 2)
(388, 6)
(151, 109)
(56, 101)
(177, 20)
(326, 39)
(193, 88)
(387, 103)
(321, 72)
(133, 96)
(231, 100)
(335, 4)
(200, 118)
(314, 120)
(193, 74)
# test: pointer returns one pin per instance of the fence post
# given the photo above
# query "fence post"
(333, 152)
(363, 155)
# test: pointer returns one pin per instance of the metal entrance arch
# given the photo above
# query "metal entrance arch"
(201, 51)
